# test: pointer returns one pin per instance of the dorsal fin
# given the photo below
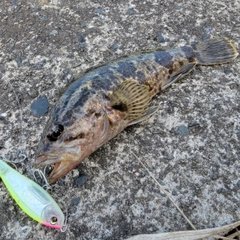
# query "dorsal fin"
(131, 97)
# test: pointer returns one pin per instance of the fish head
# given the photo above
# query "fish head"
(71, 136)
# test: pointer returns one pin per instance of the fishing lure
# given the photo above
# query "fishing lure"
(31, 198)
(100, 104)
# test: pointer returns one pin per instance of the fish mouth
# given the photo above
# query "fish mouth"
(62, 165)
(46, 160)
(60, 169)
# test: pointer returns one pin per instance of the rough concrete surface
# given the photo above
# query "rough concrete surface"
(191, 145)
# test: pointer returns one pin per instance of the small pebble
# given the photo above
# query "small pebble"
(182, 130)
(81, 38)
(40, 106)
(19, 61)
(80, 181)
(33, 93)
(84, 24)
(70, 55)
(208, 30)
(114, 47)
(170, 157)
(238, 134)
(130, 11)
(2, 68)
(227, 70)
(222, 190)
(75, 201)
(194, 128)
(215, 168)
(99, 11)
(174, 193)
(44, 18)
(53, 33)
(160, 38)
(238, 183)
(205, 37)
(13, 3)
(214, 176)
(43, 39)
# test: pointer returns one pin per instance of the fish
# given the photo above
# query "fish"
(31, 198)
(104, 101)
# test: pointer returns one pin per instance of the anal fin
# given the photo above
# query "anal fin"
(185, 69)
(149, 112)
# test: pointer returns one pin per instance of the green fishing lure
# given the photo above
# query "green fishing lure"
(31, 198)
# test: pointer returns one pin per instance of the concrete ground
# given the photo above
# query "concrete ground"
(191, 145)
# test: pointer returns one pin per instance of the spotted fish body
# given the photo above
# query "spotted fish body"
(99, 105)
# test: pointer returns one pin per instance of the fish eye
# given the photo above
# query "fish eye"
(57, 131)
(54, 220)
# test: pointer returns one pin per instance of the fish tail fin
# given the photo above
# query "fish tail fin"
(215, 51)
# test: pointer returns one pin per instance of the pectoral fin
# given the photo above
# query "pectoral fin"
(132, 98)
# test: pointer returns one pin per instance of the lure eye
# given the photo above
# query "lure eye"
(57, 131)
(54, 220)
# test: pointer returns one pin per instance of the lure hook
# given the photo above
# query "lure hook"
(43, 177)
(65, 226)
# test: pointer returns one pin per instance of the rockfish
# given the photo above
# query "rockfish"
(99, 105)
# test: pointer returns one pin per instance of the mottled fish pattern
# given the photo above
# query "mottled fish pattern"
(153, 69)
